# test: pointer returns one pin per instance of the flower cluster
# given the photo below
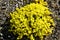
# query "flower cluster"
(32, 20)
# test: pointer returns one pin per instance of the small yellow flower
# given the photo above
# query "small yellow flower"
(34, 18)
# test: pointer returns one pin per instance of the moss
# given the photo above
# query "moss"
(32, 19)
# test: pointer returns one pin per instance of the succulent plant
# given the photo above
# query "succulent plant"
(32, 20)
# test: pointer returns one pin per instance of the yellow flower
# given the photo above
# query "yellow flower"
(34, 18)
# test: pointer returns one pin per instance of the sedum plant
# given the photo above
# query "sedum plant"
(32, 20)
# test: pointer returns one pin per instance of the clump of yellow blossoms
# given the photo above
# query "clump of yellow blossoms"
(32, 20)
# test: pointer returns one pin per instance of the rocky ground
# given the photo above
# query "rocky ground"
(7, 6)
